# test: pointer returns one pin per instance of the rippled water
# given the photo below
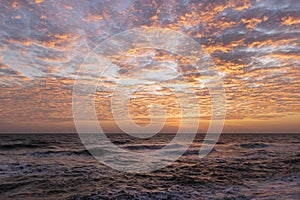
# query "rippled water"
(239, 167)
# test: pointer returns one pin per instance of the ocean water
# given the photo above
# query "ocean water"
(57, 166)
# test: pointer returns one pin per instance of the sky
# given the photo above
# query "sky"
(254, 44)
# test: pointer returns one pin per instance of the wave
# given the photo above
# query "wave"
(196, 152)
(143, 147)
(20, 146)
(62, 153)
(253, 145)
(294, 160)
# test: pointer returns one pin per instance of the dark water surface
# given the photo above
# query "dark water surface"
(240, 167)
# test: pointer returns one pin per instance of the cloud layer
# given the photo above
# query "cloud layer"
(255, 46)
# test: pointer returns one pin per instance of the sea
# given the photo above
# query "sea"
(241, 166)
